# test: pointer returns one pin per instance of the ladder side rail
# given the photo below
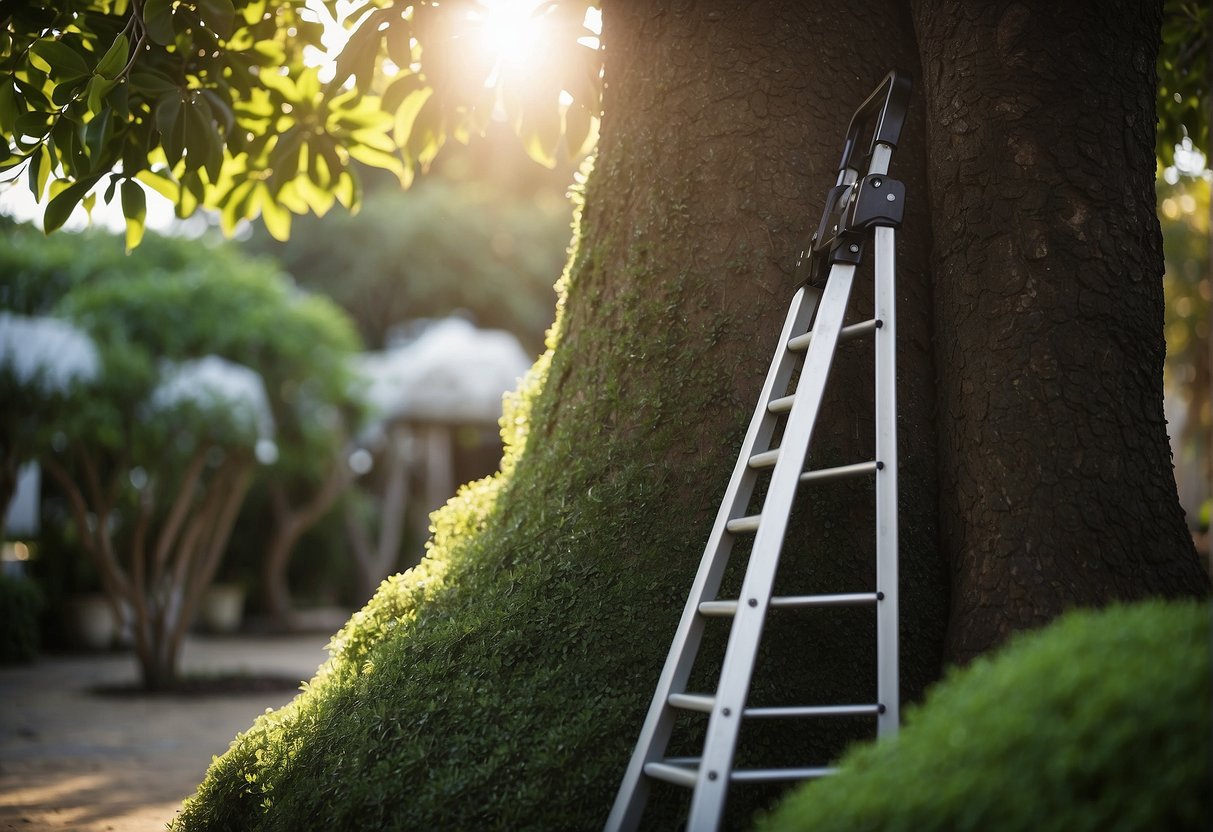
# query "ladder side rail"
(707, 802)
(655, 734)
(887, 669)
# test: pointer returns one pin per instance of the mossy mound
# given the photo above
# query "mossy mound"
(1101, 722)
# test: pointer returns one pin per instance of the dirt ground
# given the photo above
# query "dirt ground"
(73, 759)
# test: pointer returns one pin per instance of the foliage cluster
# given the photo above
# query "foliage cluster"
(154, 481)
(1099, 722)
(442, 246)
(228, 104)
(20, 605)
(1184, 77)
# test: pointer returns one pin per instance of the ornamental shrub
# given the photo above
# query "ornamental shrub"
(20, 604)
(1100, 722)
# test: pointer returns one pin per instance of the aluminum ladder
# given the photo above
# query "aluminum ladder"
(865, 204)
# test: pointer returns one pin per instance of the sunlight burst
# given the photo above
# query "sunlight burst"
(511, 33)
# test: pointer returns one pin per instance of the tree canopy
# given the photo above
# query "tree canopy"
(229, 104)
(255, 107)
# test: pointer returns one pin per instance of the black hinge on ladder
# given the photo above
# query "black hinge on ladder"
(854, 206)
(864, 206)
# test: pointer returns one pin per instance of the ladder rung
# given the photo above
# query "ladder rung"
(679, 775)
(858, 469)
(718, 609)
(815, 710)
(692, 701)
(781, 405)
(801, 342)
(772, 775)
(726, 609)
(847, 599)
(744, 524)
(766, 459)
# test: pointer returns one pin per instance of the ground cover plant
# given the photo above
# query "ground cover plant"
(1100, 722)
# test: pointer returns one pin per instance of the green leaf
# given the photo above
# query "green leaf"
(358, 56)
(158, 21)
(134, 208)
(276, 218)
(160, 183)
(58, 60)
(40, 165)
(33, 124)
(221, 107)
(66, 92)
(9, 108)
(399, 90)
(61, 206)
(98, 133)
(95, 92)
(152, 84)
(203, 148)
(170, 121)
(540, 133)
(577, 124)
(219, 16)
(115, 58)
(284, 159)
(399, 43)
(427, 132)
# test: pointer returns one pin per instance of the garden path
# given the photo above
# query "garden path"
(73, 759)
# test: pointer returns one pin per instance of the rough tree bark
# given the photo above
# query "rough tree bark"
(1056, 481)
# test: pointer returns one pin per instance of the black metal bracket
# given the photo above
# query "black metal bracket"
(855, 205)
(852, 210)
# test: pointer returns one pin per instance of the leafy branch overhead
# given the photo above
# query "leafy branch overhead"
(233, 104)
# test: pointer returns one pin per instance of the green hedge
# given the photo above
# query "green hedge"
(20, 603)
(1101, 722)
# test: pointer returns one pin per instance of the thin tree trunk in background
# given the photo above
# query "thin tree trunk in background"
(1056, 483)
(291, 522)
(375, 560)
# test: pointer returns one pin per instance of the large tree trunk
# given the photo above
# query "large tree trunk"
(1055, 468)
(723, 127)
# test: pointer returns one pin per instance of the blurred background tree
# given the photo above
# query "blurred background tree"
(1185, 109)
(157, 455)
(1184, 212)
(441, 247)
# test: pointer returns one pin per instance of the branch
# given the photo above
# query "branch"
(177, 513)
(139, 546)
(235, 480)
(392, 528)
(337, 480)
(112, 575)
